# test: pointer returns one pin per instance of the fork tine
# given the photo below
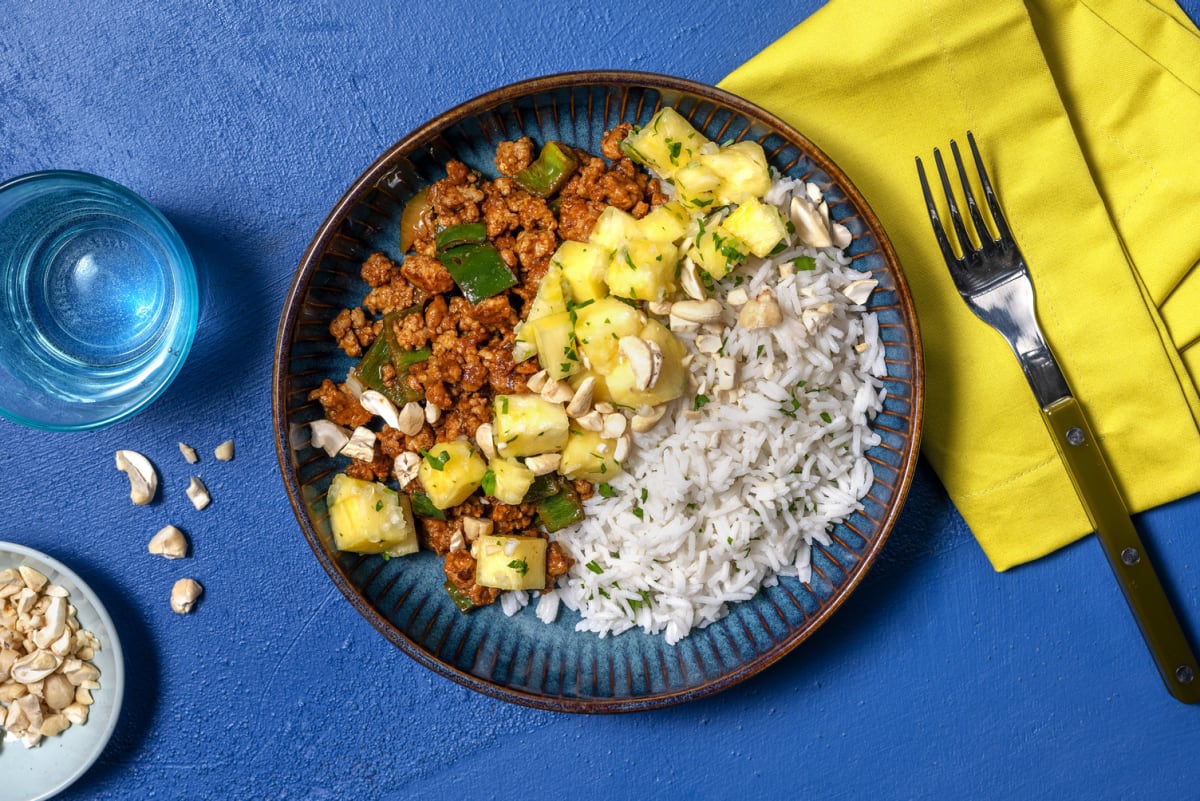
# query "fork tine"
(955, 217)
(993, 204)
(980, 226)
(938, 230)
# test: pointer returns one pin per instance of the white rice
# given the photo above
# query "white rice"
(719, 501)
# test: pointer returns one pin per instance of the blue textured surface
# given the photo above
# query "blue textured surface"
(243, 122)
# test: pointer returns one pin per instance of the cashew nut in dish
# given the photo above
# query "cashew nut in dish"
(143, 479)
(544, 463)
(761, 312)
(411, 419)
(581, 401)
(328, 436)
(184, 595)
(169, 543)
(198, 493)
(645, 359)
(46, 679)
(697, 311)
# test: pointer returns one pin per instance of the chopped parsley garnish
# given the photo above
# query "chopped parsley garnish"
(519, 565)
(700, 402)
(825, 416)
(437, 462)
(639, 512)
(489, 482)
(595, 568)
(645, 494)
(504, 404)
(804, 263)
(606, 491)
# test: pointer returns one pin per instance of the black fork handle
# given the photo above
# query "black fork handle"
(1123, 547)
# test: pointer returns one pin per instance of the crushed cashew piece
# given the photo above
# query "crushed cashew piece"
(189, 453)
(198, 493)
(224, 451)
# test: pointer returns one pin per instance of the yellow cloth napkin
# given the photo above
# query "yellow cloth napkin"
(1088, 116)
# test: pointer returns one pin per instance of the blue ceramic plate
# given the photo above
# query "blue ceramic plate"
(520, 659)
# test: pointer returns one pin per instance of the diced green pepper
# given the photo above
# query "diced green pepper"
(543, 487)
(560, 509)
(553, 168)
(385, 351)
(463, 234)
(423, 507)
(463, 603)
(479, 270)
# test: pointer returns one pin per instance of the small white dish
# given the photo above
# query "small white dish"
(57, 762)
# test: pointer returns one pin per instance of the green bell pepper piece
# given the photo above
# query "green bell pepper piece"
(560, 509)
(463, 234)
(478, 269)
(463, 603)
(553, 168)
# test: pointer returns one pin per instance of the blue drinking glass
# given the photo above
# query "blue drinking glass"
(98, 301)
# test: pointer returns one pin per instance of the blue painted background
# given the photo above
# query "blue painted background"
(244, 120)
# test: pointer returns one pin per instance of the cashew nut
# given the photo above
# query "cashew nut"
(169, 543)
(761, 312)
(184, 595)
(411, 419)
(406, 467)
(697, 311)
(224, 451)
(645, 359)
(581, 401)
(641, 423)
(485, 439)
(143, 480)
(189, 453)
(377, 404)
(328, 436)
(544, 463)
(198, 493)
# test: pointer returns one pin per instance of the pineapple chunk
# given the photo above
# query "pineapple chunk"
(742, 168)
(589, 456)
(512, 480)
(510, 562)
(550, 299)
(757, 224)
(583, 267)
(526, 425)
(717, 252)
(667, 223)
(613, 228)
(665, 143)
(697, 185)
(598, 327)
(368, 517)
(555, 343)
(672, 377)
(643, 270)
(450, 472)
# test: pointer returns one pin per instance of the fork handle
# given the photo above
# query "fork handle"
(1123, 547)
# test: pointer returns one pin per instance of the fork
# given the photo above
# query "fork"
(993, 279)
